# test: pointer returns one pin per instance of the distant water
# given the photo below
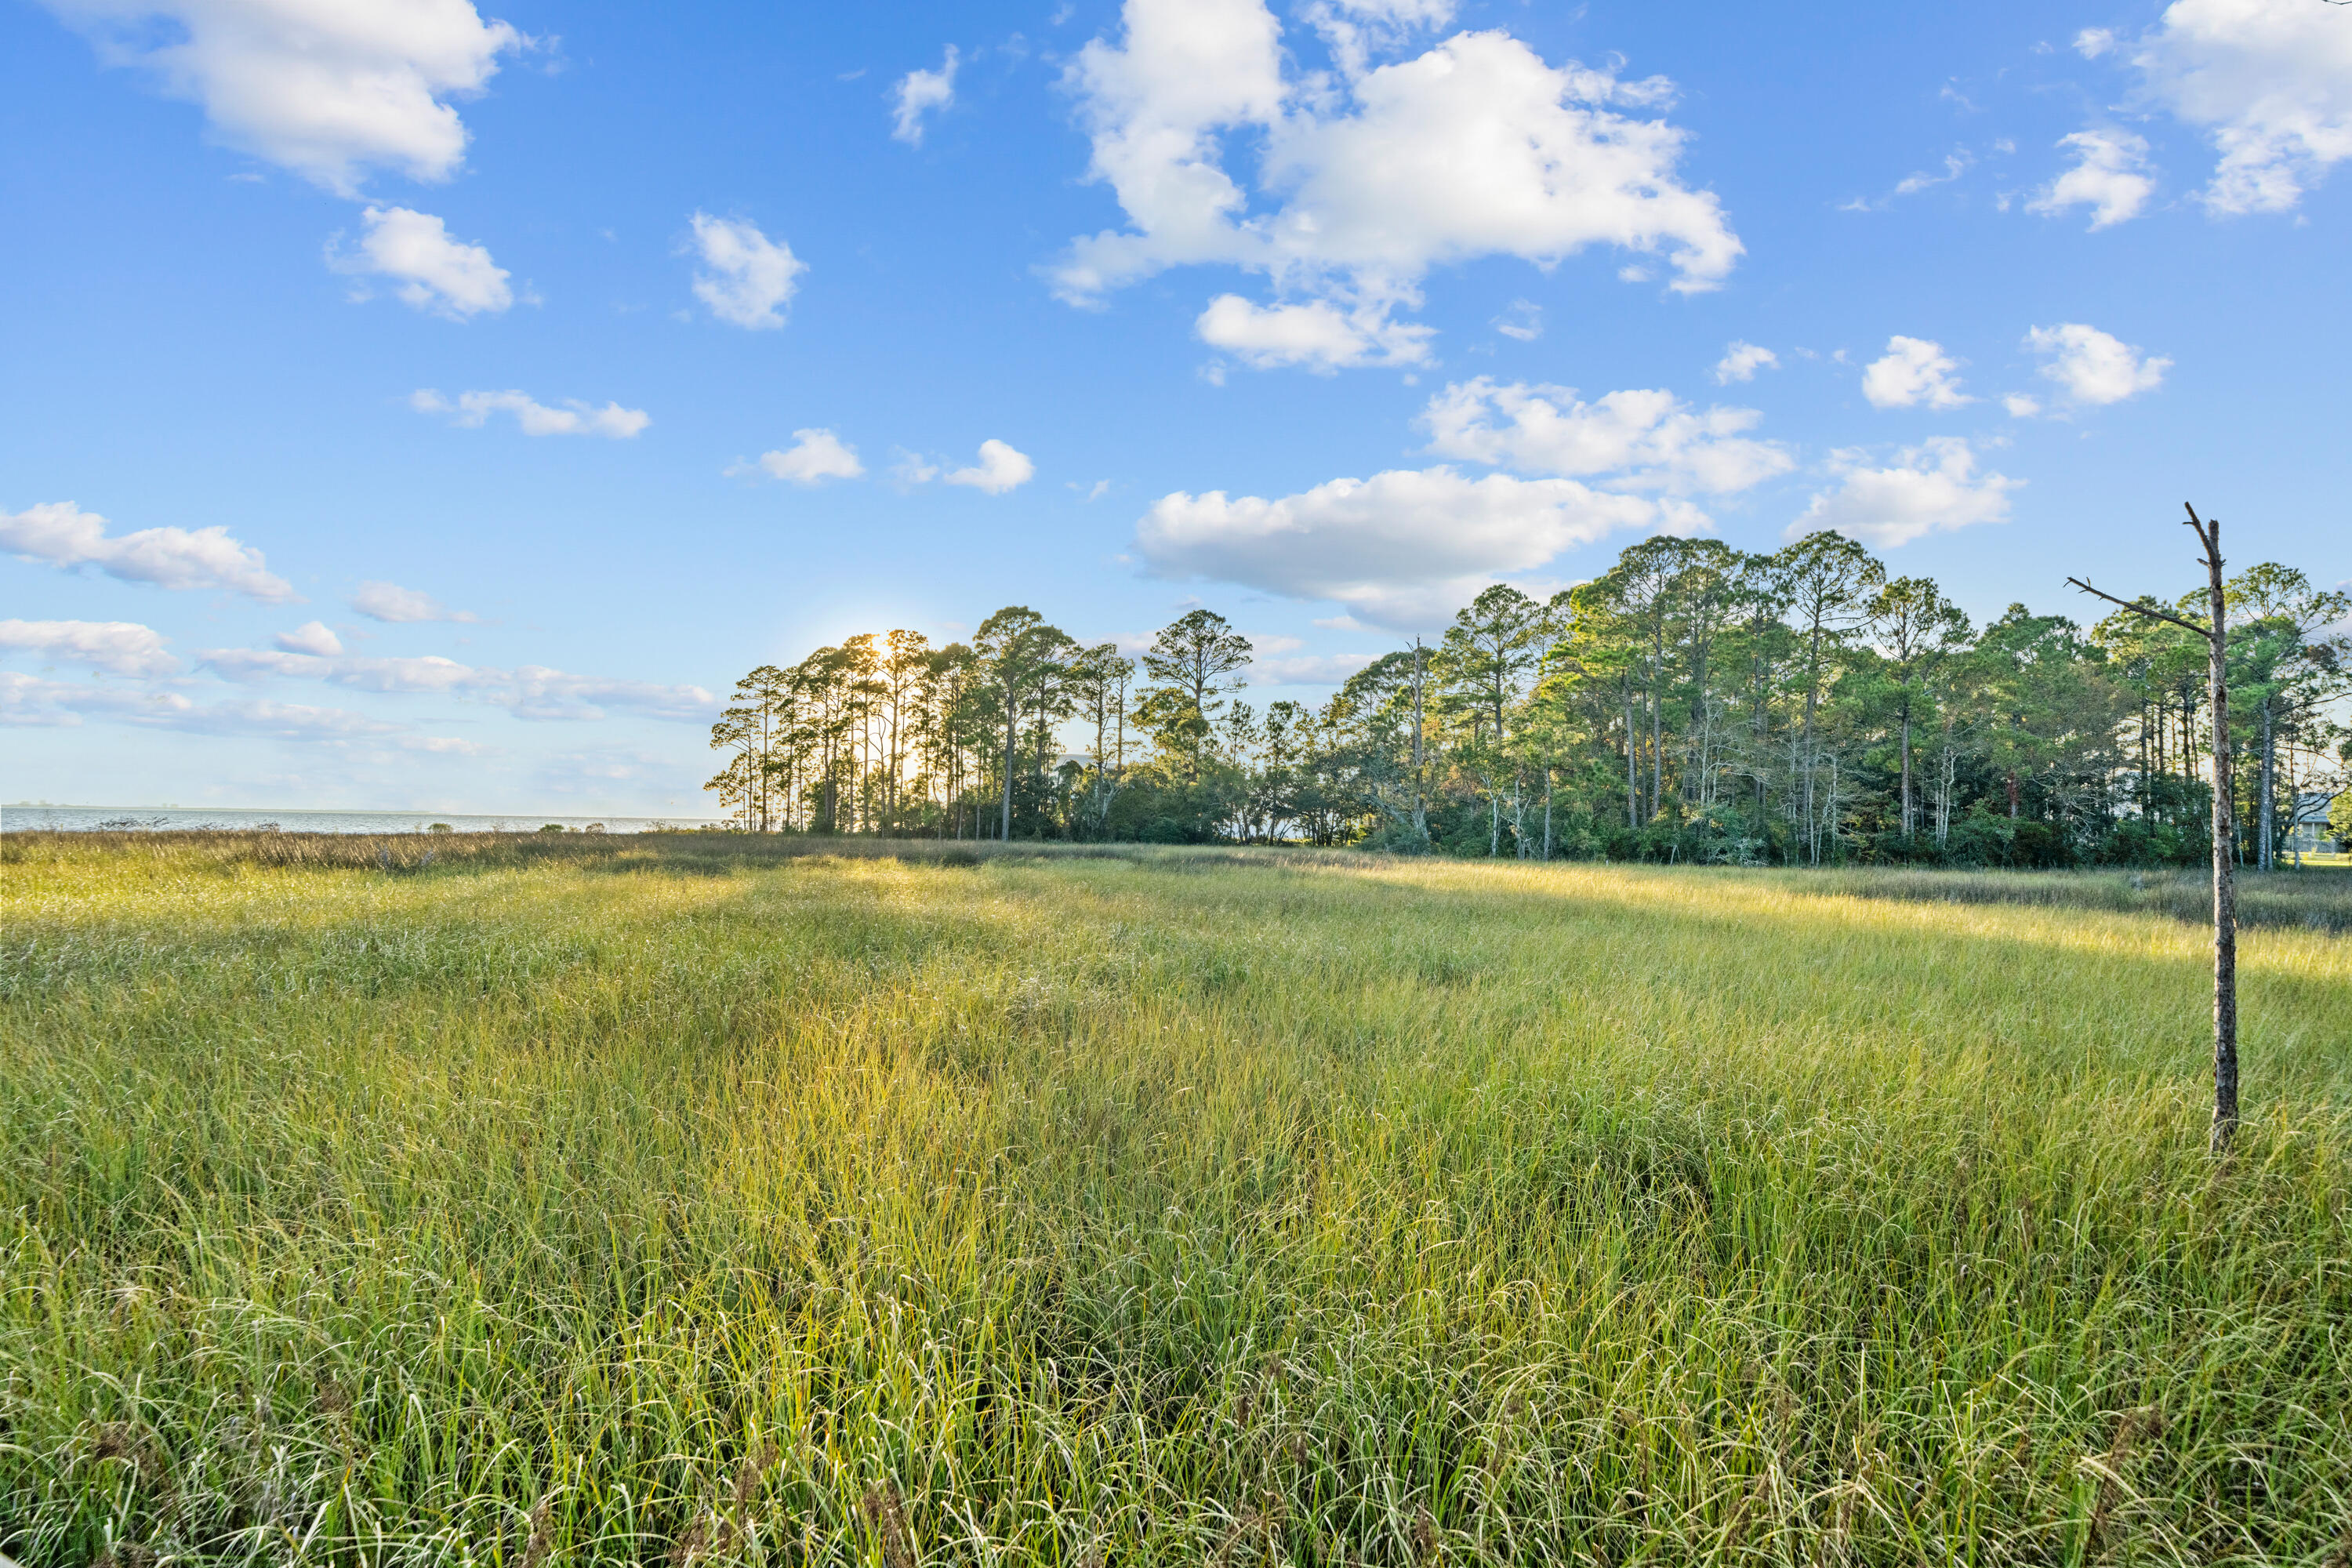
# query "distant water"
(154, 819)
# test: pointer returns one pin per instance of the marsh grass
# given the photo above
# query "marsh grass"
(688, 1202)
(2318, 898)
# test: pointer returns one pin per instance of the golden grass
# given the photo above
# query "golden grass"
(658, 1202)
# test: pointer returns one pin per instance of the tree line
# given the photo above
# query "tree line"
(1692, 703)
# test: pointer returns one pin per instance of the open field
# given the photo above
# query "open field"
(680, 1200)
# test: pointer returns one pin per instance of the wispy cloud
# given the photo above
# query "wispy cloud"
(921, 92)
(527, 691)
(473, 410)
(391, 602)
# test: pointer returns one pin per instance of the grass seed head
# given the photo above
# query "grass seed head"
(540, 1541)
(751, 1471)
(885, 1508)
(116, 1440)
(2131, 1427)
(693, 1544)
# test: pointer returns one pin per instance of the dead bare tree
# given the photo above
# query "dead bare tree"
(2216, 634)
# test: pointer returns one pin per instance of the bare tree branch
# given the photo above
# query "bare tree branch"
(2150, 611)
(2208, 538)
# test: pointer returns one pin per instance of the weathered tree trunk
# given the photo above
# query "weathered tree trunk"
(2225, 893)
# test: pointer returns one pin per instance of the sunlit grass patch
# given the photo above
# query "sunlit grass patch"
(624, 1203)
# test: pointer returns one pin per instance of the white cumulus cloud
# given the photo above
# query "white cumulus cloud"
(312, 637)
(2109, 177)
(2093, 42)
(117, 647)
(391, 602)
(747, 278)
(2095, 367)
(325, 88)
(1318, 334)
(430, 271)
(1000, 470)
(473, 409)
(60, 533)
(1401, 549)
(2271, 83)
(1475, 147)
(920, 92)
(1913, 372)
(1741, 360)
(1641, 439)
(1933, 487)
(814, 456)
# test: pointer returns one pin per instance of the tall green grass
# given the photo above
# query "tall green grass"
(670, 1202)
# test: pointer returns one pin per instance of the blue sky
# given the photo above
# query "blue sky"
(404, 400)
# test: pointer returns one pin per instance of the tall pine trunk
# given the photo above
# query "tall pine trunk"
(2267, 855)
(1420, 778)
(1012, 738)
(1812, 702)
(1906, 767)
(1633, 776)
